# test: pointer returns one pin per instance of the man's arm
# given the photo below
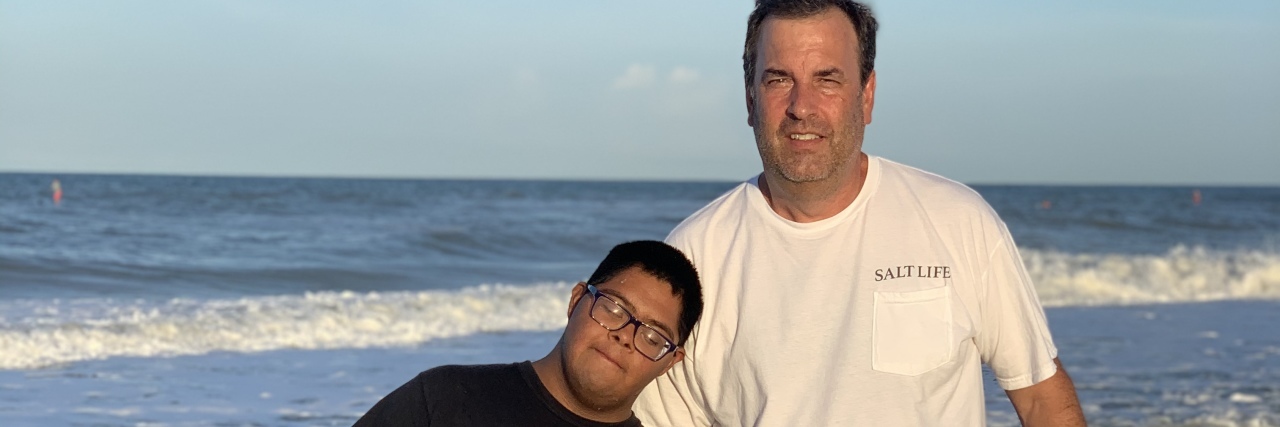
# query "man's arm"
(1051, 402)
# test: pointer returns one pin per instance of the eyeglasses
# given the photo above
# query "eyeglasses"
(612, 316)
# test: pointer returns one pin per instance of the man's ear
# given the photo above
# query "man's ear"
(676, 357)
(868, 98)
(751, 109)
(579, 290)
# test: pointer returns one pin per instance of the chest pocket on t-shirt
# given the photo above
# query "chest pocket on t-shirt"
(911, 331)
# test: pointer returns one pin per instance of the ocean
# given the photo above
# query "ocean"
(217, 301)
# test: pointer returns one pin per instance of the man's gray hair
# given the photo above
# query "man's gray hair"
(864, 25)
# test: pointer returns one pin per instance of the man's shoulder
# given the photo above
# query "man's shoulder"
(469, 374)
(457, 387)
(928, 188)
(439, 389)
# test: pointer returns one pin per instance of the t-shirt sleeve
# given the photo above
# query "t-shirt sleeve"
(1014, 339)
(404, 407)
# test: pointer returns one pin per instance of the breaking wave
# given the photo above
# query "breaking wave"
(51, 332)
(38, 333)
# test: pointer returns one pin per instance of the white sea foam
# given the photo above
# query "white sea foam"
(53, 332)
(1180, 275)
(36, 333)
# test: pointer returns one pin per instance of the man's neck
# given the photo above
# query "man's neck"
(814, 201)
(554, 379)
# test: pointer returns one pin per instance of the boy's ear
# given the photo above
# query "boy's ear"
(676, 357)
(579, 290)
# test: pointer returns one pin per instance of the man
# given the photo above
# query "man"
(842, 288)
(626, 327)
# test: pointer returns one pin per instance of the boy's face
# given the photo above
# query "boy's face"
(603, 368)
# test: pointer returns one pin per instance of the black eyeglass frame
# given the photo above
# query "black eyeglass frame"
(631, 320)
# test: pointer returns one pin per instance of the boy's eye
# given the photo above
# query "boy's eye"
(652, 338)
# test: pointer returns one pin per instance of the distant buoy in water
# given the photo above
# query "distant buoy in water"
(57, 192)
(1046, 204)
(1195, 197)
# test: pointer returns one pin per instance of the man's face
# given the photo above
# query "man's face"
(603, 368)
(807, 103)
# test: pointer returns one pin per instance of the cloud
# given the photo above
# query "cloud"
(683, 75)
(706, 97)
(637, 75)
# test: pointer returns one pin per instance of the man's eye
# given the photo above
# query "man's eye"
(653, 339)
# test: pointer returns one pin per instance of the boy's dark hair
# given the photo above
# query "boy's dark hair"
(664, 263)
(864, 25)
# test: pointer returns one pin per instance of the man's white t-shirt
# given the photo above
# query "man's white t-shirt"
(878, 316)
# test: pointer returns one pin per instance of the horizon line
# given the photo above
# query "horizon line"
(597, 179)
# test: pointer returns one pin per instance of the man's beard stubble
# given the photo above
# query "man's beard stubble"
(843, 146)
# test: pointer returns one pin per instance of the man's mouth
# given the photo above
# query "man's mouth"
(609, 358)
(804, 136)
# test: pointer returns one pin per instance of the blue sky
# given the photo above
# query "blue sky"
(1089, 92)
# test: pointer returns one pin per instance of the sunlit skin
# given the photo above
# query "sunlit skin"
(598, 374)
(809, 107)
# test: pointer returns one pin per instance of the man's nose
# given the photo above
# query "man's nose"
(623, 336)
(801, 102)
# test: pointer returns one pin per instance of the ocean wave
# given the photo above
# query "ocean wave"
(37, 333)
(1183, 274)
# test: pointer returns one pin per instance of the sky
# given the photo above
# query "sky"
(984, 92)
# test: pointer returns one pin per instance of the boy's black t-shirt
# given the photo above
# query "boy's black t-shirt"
(476, 395)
